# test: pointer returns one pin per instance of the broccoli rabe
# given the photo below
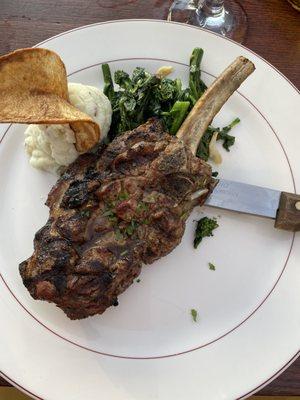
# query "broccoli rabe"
(205, 227)
(196, 86)
(228, 140)
(144, 95)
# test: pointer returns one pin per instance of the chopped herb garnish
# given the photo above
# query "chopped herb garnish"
(211, 266)
(129, 230)
(111, 215)
(150, 198)
(123, 196)
(142, 207)
(113, 218)
(85, 213)
(124, 253)
(131, 227)
(146, 221)
(205, 227)
(194, 314)
(118, 234)
(108, 213)
(138, 280)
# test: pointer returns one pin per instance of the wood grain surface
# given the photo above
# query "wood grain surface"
(273, 32)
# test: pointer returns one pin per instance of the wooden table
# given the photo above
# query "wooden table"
(273, 32)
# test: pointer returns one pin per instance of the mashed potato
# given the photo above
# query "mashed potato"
(51, 146)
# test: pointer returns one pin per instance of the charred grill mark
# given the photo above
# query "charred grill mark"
(60, 282)
(135, 160)
(43, 231)
(79, 193)
(173, 160)
(91, 175)
(76, 195)
(177, 186)
(73, 227)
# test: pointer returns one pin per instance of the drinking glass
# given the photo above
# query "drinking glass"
(226, 17)
(295, 4)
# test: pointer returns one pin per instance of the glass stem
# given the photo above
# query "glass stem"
(212, 7)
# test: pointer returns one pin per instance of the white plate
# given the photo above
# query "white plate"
(149, 347)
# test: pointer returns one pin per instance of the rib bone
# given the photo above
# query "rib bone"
(211, 102)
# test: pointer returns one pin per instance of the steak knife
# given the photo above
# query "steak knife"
(283, 207)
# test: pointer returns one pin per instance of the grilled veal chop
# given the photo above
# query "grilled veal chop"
(124, 205)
